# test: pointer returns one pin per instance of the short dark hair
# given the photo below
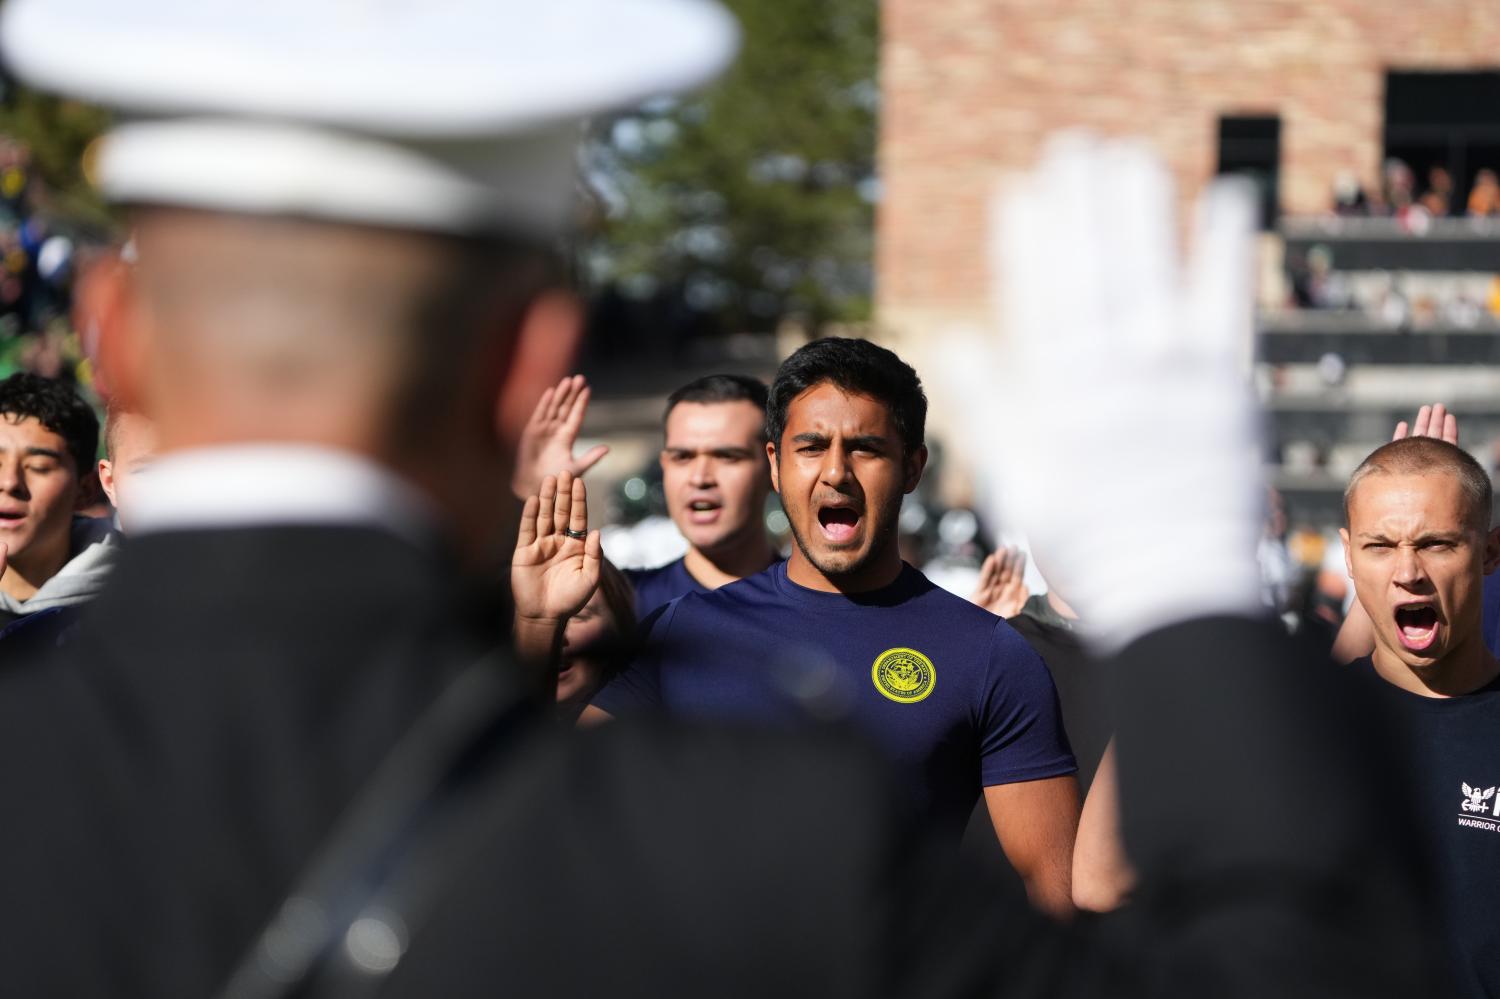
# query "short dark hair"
(719, 388)
(1421, 455)
(57, 407)
(856, 366)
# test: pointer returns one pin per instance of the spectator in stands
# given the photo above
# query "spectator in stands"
(1349, 196)
(1437, 200)
(1316, 285)
(48, 437)
(1484, 197)
(1398, 185)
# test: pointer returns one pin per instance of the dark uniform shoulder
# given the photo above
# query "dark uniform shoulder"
(636, 837)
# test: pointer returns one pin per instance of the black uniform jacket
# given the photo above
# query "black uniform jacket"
(195, 763)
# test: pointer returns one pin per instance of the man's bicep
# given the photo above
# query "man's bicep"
(1036, 822)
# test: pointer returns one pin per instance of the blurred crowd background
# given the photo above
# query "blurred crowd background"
(720, 233)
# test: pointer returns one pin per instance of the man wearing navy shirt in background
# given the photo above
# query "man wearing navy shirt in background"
(1417, 544)
(713, 473)
(716, 486)
(844, 630)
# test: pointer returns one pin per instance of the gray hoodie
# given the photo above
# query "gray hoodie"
(96, 545)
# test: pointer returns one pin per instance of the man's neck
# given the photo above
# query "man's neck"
(878, 573)
(25, 576)
(725, 565)
(1463, 670)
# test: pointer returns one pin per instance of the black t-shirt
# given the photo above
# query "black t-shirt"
(1453, 745)
(1082, 683)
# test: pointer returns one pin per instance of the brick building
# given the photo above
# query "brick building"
(971, 86)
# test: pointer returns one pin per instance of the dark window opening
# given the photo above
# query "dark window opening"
(1443, 122)
(1250, 146)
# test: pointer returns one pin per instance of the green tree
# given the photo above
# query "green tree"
(754, 199)
(58, 131)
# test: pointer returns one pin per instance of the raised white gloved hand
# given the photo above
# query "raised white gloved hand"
(1129, 450)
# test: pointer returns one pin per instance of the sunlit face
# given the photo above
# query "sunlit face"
(841, 473)
(714, 473)
(39, 488)
(1417, 565)
(581, 672)
(134, 445)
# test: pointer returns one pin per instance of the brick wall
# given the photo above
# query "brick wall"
(971, 86)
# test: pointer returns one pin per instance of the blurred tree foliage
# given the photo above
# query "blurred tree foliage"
(753, 200)
(57, 132)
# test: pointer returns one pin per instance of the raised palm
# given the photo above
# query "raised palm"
(546, 445)
(1002, 589)
(552, 573)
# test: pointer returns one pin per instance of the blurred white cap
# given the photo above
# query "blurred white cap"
(453, 115)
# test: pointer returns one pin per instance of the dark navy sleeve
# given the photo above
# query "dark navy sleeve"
(637, 687)
(1021, 733)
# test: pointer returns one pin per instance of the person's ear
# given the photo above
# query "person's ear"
(1348, 560)
(1492, 550)
(105, 311)
(914, 463)
(775, 468)
(545, 344)
(107, 480)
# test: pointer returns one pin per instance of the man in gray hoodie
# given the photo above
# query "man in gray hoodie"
(52, 558)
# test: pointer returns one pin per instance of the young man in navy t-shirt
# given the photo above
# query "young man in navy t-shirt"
(1418, 544)
(713, 473)
(845, 631)
(715, 479)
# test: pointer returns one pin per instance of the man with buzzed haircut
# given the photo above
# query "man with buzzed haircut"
(129, 446)
(713, 469)
(1418, 543)
(714, 474)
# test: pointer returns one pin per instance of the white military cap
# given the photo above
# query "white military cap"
(457, 116)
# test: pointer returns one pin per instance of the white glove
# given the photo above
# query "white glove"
(1115, 422)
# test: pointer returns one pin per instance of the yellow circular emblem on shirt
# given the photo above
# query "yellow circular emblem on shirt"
(903, 675)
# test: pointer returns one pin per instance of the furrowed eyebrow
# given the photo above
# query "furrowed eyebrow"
(869, 442)
(717, 452)
(1451, 539)
(1420, 539)
(810, 438)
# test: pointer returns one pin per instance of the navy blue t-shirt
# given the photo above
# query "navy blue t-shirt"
(1453, 744)
(660, 586)
(951, 693)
